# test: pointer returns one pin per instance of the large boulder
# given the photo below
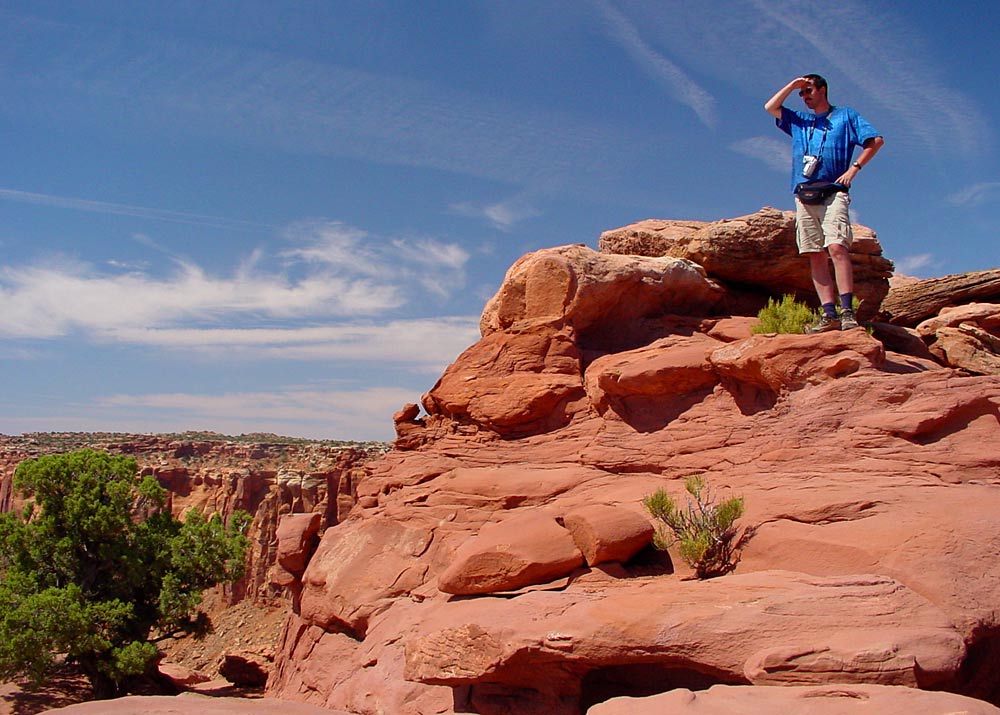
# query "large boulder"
(756, 250)
(588, 291)
(521, 551)
(515, 382)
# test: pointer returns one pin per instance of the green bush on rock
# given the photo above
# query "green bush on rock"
(786, 316)
(706, 531)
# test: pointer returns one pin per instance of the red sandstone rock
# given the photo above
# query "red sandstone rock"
(180, 676)
(355, 573)
(511, 383)
(788, 362)
(847, 476)
(666, 371)
(764, 627)
(819, 700)
(576, 286)
(912, 303)
(297, 536)
(532, 548)
(245, 669)
(606, 533)
(194, 704)
(984, 315)
(968, 348)
(757, 250)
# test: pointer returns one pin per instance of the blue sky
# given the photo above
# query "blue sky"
(287, 216)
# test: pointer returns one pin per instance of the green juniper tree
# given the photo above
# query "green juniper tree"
(95, 566)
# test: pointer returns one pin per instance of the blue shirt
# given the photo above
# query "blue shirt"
(831, 136)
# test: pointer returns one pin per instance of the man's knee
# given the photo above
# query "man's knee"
(838, 251)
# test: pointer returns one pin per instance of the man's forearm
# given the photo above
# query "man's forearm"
(773, 105)
(871, 148)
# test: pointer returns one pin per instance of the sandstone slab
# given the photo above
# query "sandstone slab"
(606, 533)
(914, 302)
(825, 700)
(522, 550)
(195, 705)
(761, 628)
(356, 573)
(788, 362)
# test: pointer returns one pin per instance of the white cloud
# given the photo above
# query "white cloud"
(425, 344)
(915, 265)
(436, 265)
(681, 87)
(503, 215)
(335, 244)
(775, 153)
(48, 301)
(337, 271)
(976, 195)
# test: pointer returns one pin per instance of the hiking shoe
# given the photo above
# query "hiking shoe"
(848, 321)
(823, 325)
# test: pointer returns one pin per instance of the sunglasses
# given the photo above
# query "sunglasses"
(807, 91)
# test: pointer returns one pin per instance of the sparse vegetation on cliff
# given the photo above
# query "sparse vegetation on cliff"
(95, 563)
(706, 531)
(786, 316)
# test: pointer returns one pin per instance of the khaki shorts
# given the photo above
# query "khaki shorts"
(819, 225)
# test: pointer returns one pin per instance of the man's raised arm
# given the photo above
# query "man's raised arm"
(773, 105)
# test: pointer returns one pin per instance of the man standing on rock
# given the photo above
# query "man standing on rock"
(823, 142)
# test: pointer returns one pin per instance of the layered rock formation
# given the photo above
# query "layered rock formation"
(497, 559)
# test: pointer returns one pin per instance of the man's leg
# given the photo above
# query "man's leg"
(839, 236)
(842, 268)
(819, 264)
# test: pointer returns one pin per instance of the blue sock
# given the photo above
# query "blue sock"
(829, 310)
(847, 301)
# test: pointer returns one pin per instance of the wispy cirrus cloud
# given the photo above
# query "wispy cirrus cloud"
(976, 195)
(422, 344)
(916, 264)
(106, 207)
(502, 215)
(775, 153)
(437, 266)
(677, 83)
(331, 273)
(291, 103)
(886, 62)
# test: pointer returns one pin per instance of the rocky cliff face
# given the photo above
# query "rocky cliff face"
(268, 479)
(497, 560)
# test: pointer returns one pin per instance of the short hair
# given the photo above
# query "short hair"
(817, 81)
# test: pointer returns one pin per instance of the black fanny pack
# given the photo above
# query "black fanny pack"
(816, 192)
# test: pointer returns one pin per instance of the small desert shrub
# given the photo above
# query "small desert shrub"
(706, 531)
(788, 316)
